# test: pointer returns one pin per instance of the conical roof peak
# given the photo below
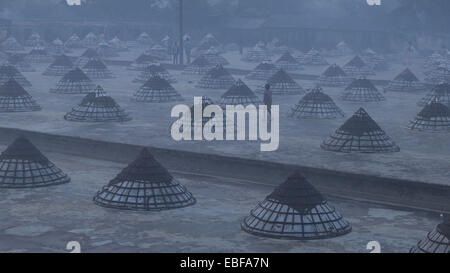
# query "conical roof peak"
(316, 104)
(357, 61)
(62, 60)
(295, 210)
(360, 134)
(144, 185)
(444, 227)
(298, 193)
(23, 149)
(24, 166)
(201, 61)
(287, 57)
(12, 88)
(362, 83)
(98, 97)
(265, 66)
(38, 51)
(334, 70)
(436, 241)
(360, 123)
(218, 71)
(406, 75)
(144, 169)
(145, 58)
(316, 94)
(155, 68)
(95, 63)
(239, 89)
(280, 76)
(442, 88)
(75, 75)
(8, 69)
(435, 109)
(158, 83)
(90, 53)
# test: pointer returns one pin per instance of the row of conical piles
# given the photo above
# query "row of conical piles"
(98, 106)
(294, 210)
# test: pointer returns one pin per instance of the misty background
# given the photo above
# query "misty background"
(423, 23)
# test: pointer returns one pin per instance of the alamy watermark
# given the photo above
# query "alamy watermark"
(231, 128)
(373, 2)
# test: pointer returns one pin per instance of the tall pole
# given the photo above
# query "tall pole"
(181, 34)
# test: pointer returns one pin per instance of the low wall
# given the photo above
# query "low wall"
(377, 189)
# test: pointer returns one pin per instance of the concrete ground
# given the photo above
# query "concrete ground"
(423, 157)
(46, 219)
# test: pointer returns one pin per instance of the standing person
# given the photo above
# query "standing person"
(268, 97)
(175, 53)
(241, 47)
(187, 49)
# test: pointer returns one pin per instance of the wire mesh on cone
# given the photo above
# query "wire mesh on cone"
(438, 74)
(433, 61)
(38, 55)
(208, 42)
(295, 210)
(11, 44)
(87, 55)
(356, 68)
(434, 117)
(439, 93)
(217, 78)
(8, 71)
(262, 71)
(22, 165)
(142, 62)
(35, 40)
(437, 241)
(97, 106)
(19, 61)
(313, 57)
(74, 82)
(360, 134)
(282, 84)
(374, 60)
(215, 58)
(96, 69)
(90, 40)
(239, 94)
(159, 52)
(287, 62)
(59, 67)
(257, 54)
(362, 90)
(406, 81)
(158, 90)
(73, 42)
(13, 98)
(334, 76)
(200, 66)
(144, 185)
(316, 104)
(152, 71)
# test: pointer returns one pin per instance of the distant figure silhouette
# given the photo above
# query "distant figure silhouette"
(268, 98)
(187, 49)
(175, 53)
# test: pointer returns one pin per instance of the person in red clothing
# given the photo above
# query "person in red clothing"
(268, 97)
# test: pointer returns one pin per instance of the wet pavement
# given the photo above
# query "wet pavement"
(46, 219)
